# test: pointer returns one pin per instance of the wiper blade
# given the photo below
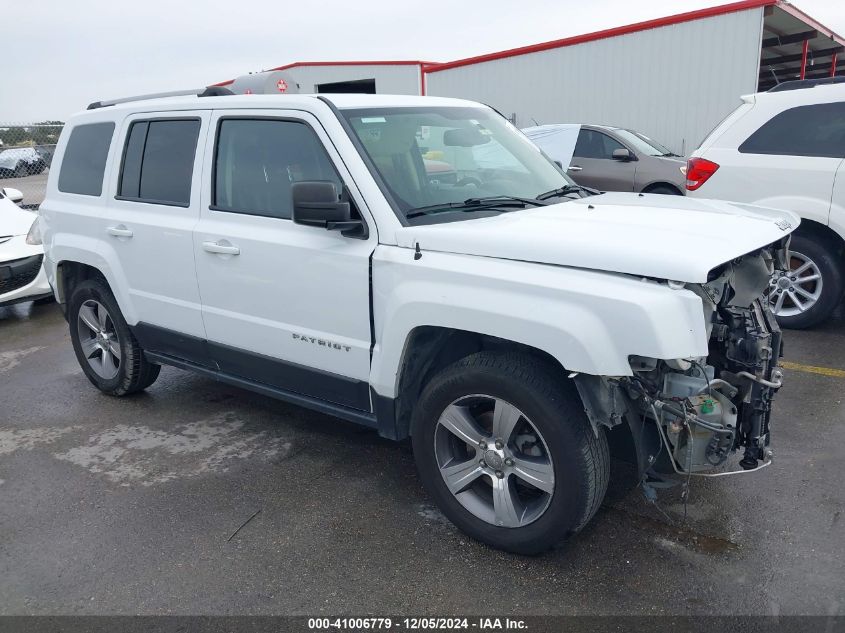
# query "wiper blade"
(477, 204)
(562, 191)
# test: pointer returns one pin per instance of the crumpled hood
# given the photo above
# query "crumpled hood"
(13, 219)
(650, 235)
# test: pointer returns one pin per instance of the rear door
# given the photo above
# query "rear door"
(592, 163)
(284, 304)
(150, 221)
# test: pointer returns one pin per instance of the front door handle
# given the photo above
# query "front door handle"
(221, 247)
(119, 231)
(574, 168)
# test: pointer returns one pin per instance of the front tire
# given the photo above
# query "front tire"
(503, 446)
(813, 287)
(108, 353)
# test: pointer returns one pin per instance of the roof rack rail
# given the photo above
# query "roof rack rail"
(800, 84)
(210, 91)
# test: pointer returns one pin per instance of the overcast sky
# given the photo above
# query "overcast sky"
(60, 55)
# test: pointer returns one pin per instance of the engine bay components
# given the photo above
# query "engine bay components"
(706, 408)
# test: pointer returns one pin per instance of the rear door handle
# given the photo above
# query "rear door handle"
(221, 247)
(574, 168)
(119, 231)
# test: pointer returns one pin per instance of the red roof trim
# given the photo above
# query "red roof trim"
(599, 35)
(348, 63)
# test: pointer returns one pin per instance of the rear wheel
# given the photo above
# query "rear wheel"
(664, 190)
(107, 351)
(807, 294)
(507, 453)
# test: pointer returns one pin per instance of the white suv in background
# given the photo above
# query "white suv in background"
(785, 149)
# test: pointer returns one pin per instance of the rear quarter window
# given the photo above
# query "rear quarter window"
(84, 161)
(811, 130)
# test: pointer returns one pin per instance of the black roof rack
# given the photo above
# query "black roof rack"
(800, 84)
(210, 91)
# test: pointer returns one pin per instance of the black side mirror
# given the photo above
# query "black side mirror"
(622, 154)
(317, 203)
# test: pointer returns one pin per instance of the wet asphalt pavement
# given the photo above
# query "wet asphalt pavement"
(125, 506)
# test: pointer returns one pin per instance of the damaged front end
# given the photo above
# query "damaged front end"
(689, 415)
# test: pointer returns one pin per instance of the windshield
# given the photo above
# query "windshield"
(642, 143)
(426, 157)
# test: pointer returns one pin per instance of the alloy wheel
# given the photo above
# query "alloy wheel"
(98, 339)
(494, 461)
(797, 290)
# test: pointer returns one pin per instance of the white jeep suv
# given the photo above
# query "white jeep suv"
(519, 331)
(785, 149)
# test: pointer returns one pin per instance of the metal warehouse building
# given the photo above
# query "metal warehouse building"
(672, 78)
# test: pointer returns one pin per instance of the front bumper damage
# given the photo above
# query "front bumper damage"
(688, 416)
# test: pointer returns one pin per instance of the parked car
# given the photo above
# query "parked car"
(22, 275)
(516, 329)
(611, 158)
(785, 148)
(21, 161)
(46, 153)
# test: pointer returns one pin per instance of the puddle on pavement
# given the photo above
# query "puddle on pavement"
(674, 535)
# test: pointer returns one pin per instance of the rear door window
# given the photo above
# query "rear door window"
(158, 161)
(84, 162)
(811, 130)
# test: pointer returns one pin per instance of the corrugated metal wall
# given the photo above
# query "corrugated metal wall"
(673, 83)
(390, 79)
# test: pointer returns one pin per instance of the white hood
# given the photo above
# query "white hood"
(650, 235)
(13, 219)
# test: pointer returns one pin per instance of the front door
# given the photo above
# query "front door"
(593, 165)
(283, 304)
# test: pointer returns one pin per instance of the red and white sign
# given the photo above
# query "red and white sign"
(282, 85)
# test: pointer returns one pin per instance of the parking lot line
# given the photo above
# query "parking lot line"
(810, 369)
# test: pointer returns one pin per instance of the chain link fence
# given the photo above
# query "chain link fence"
(26, 153)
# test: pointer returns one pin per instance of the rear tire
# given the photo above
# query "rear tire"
(821, 258)
(559, 439)
(665, 190)
(108, 353)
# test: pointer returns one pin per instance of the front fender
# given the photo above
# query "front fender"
(589, 321)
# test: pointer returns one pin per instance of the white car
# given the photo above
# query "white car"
(22, 275)
(518, 330)
(785, 149)
(21, 161)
